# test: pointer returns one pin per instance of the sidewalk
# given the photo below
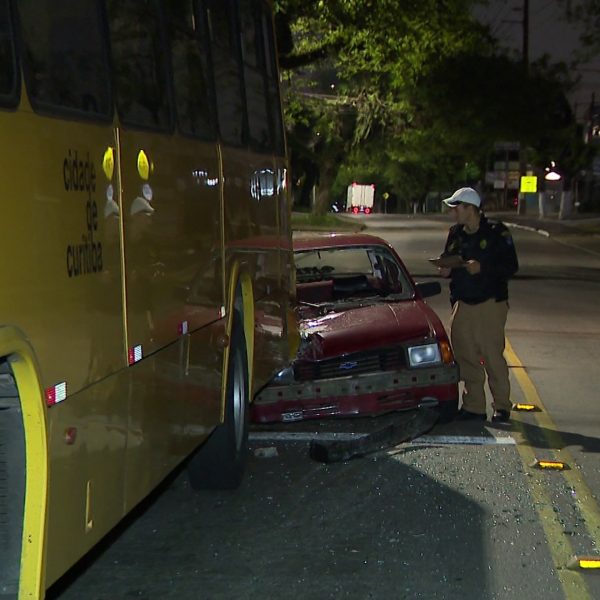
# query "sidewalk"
(578, 231)
(580, 224)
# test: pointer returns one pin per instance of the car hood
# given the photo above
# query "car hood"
(364, 328)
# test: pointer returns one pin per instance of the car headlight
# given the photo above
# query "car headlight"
(285, 376)
(425, 355)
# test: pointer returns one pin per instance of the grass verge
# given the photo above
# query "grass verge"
(328, 222)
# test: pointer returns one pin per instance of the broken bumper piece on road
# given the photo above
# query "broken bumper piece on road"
(403, 428)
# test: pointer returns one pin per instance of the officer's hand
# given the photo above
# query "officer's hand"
(473, 267)
(444, 271)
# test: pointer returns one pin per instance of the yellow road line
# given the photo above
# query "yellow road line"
(572, 582)
(585, 497)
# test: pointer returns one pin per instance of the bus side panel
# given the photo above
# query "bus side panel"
(252, 238)
(286, 258)
(174, 287)
(62, 258)
(175, 405)
(65, 290)
(88, 436)
(172, 237)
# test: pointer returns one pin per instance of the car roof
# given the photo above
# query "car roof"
(335, 240)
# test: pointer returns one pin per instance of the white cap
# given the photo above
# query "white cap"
(464, 195)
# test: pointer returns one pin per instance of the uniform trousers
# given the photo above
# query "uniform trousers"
(477, 335)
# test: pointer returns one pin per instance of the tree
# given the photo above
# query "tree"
(409, 93)
(376, 51)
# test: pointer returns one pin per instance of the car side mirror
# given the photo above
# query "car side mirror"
(429, 288)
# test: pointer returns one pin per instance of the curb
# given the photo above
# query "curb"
(527, 228)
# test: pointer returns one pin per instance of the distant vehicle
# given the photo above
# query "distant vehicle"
(369, 343)
(360, 198)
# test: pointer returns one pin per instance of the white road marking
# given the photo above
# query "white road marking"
(303, 436)
(426, 440)
(472, 440)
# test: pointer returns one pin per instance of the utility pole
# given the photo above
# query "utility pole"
(525, 22)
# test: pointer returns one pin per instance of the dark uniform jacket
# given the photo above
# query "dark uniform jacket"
(492, 246)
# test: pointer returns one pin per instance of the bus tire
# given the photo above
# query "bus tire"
(219, 463)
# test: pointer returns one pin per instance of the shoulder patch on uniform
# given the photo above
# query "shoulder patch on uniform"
(483, 244)
(507, 237)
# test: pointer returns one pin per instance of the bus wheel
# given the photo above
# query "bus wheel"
(13, 468)
(220, 462)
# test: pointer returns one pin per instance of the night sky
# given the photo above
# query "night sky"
(549, 33)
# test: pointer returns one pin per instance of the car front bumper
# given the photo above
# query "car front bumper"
(365, 394)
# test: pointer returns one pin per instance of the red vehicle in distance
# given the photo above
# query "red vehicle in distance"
(360, 198)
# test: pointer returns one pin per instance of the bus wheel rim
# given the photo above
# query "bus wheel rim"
(239, 401)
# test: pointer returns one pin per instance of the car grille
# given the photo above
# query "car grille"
(382, 359)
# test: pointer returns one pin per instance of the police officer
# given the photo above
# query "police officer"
(483, 260)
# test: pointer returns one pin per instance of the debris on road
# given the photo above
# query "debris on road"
(404, 428)
(269, 452)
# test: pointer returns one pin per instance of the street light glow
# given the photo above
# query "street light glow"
(551, 174)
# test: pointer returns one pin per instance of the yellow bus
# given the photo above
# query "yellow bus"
(146, 260)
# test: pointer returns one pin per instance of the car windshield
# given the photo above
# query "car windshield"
(330, 274)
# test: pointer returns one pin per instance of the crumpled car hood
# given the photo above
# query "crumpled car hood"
(363, 328)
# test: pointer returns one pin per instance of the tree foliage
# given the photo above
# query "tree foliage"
(408, 94)
(587, 14)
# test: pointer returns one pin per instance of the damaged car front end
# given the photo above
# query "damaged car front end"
(370, 344)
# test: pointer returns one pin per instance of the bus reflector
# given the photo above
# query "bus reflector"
(135, 354)
(143, 165)
(556, 465)
(108, 162)
(525, 407)
(55, 394)
(584, 562)
(182, 328)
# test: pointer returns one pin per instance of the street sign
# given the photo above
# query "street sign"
(528, 184)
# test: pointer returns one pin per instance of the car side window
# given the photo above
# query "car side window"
(392, 276)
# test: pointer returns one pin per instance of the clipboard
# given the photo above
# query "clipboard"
(451, 261)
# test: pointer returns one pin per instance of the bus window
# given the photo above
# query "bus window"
(65, 59)
(139, 64)
(227, 73)
(256, 98)
(276, 122)
(8, 71)
(189, 64)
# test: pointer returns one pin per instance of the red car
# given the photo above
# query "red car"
(369, 343)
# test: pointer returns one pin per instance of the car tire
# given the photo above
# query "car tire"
(447, 411)
(219, 463)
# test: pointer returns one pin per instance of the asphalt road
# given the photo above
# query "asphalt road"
(457, 513)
